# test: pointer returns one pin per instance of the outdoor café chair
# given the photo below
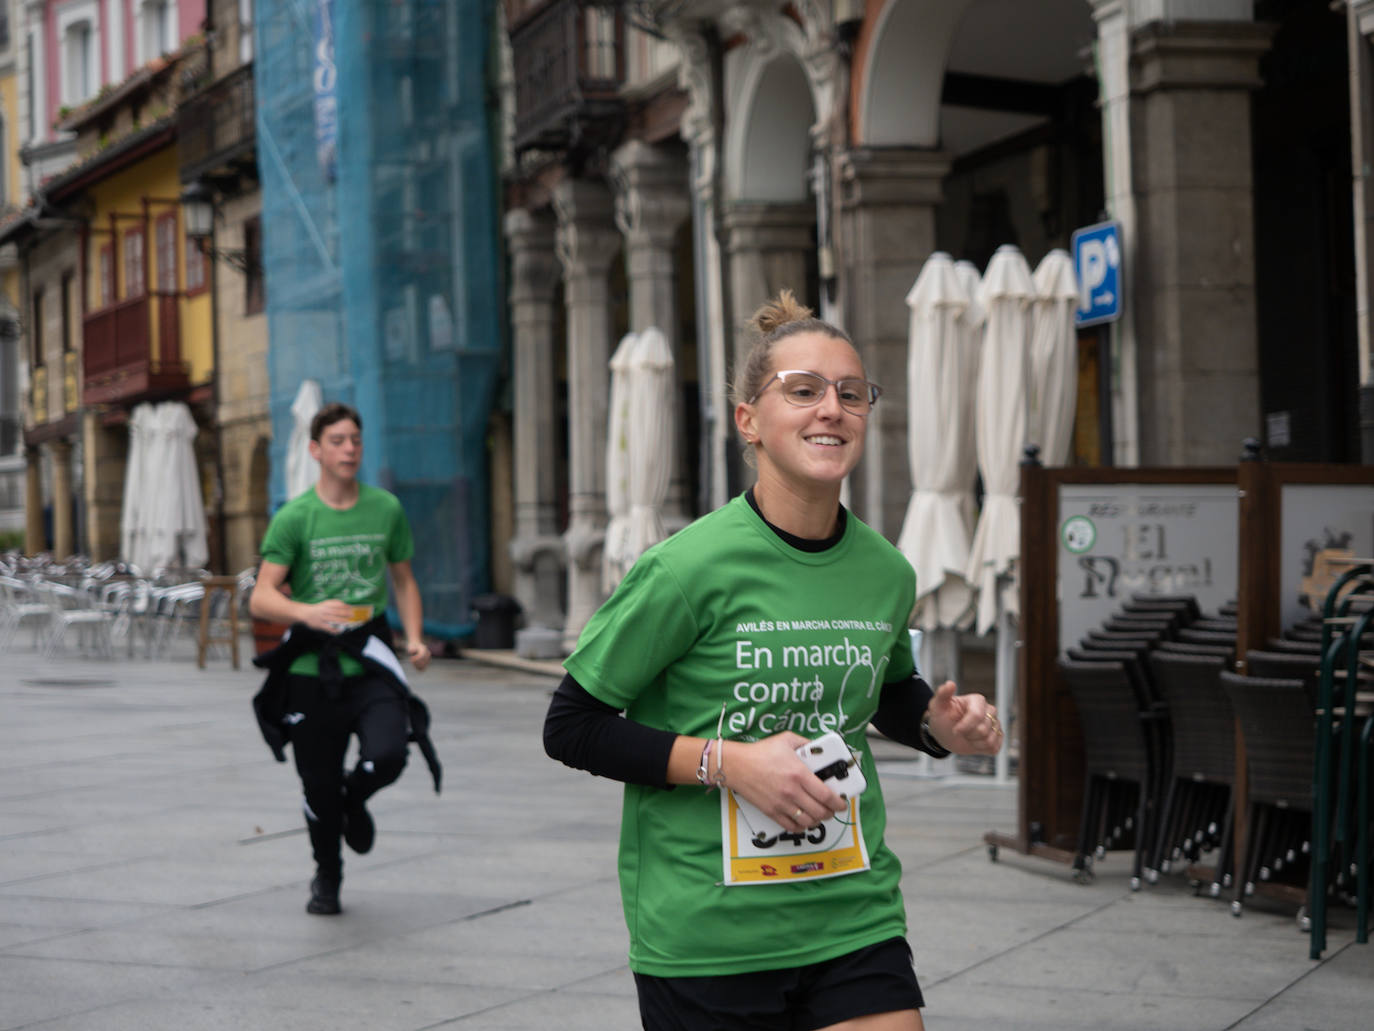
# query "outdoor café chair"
(1196, 816)
(20, 605)
(1278, 727)
(1118, 797)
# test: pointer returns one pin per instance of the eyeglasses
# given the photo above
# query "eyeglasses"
(804, 389)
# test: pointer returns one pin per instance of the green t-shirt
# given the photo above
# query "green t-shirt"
(338, 554)
(725, 612)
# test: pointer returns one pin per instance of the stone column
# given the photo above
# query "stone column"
(887, 230)
(34, 538)
(587, 241)
(1195, 270)
(105, 455)
(536, 547)
(1113, 65)
(1359, 29)
(63, 539)
(652, 201)
(769, 246)
(700, 58)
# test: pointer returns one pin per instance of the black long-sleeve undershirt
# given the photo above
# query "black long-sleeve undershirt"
(585, 733)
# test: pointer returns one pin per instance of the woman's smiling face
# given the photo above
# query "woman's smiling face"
(818, 445)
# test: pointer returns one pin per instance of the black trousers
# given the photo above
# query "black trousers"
(324, 719)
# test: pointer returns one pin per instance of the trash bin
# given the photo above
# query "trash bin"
(496, 614)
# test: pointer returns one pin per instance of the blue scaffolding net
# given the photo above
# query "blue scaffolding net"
(381, 256)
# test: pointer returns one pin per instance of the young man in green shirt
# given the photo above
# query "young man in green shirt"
(335, 545)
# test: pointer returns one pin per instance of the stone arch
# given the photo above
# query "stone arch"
(899, 101)
(779, 93)
(769, 137)
(916, 43)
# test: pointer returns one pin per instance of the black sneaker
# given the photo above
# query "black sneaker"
(324, 896)
(358, 829)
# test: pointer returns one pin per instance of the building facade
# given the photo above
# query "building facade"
(11, 368)
(381, 248)
(217, 153)
(674, 165)
(113, 298)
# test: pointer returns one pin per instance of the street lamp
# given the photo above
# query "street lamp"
(198, 211)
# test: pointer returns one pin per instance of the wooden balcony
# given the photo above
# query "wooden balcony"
(132, 351)
(216, 131)
(569, 58)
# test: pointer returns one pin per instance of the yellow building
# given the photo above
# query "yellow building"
(119, 303)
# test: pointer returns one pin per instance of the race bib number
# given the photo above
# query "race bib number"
(757, 851)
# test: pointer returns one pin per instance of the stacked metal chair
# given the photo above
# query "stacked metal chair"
(1168, 808)
(1197, 813)
(1278, 726)
(1119, 789)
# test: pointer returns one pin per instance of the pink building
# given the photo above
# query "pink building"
(73, 48)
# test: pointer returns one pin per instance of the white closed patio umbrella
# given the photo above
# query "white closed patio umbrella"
(1000, 434)
(936, 532)
(614, 551)
(1000, 429)
(136, 512)
(971, 334)
(177, 528)
(302, 471)
(1054, 357)
(652, 389)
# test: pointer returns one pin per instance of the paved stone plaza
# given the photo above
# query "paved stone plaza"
(154, 871)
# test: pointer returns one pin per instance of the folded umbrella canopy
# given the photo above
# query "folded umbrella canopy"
(163, 518)
(971, 333)
(302, 471)
(1054, 357)
(652, 385)
(1000, 430)
(615, 561)
(941, 362)
(178, 524)
(135, 513)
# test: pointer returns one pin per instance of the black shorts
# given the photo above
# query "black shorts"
(876, 979)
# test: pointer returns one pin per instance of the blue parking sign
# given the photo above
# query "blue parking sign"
(1097, 263)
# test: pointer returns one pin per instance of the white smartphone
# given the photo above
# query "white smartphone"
(830, 759)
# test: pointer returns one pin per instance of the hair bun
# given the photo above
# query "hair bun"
(781, 310)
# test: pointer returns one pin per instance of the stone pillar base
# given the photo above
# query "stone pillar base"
(539, 642)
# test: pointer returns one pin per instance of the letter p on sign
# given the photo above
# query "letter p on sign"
(1097, 261)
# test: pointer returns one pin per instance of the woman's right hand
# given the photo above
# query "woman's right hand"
(770, 775)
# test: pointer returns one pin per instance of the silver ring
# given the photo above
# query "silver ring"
(797, 815)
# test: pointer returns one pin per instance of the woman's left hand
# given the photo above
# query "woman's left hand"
(965, 724)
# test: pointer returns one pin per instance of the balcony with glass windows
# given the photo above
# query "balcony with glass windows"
(569, 63)
(132, 350)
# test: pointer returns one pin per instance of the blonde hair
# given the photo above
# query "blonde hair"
(777, 319)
